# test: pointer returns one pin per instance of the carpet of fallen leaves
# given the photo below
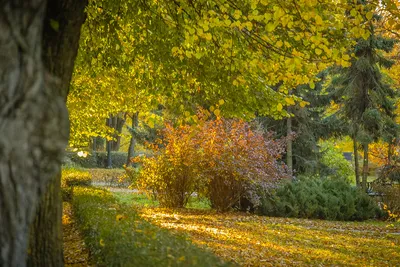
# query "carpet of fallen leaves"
(75, 251)
(251, 240)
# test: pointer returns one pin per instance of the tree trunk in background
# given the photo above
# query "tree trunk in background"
(61, 34)
(356, 164)
(33, 125)
(109, 146)
(289, 149)
(117, 122)
(365, 167)
(132, 143)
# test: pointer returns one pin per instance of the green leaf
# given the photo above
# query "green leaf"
(55, 25)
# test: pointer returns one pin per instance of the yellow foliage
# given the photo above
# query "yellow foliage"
(251, 240)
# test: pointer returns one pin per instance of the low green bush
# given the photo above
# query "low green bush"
(72, 158)
(331, 199)
(118, 159)
(71, 177)
(117, 236)
(95, 159)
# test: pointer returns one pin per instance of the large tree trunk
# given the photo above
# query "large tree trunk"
(365, 167)
(45, 244)
(33, 125)
(63, 21)
(132, 143)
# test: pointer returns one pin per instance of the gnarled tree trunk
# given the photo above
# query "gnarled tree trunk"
(33, 125)
(62, 25)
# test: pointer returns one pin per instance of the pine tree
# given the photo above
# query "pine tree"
(365, 96)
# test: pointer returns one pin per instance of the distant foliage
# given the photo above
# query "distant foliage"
(95, 159)
(334, 163)
(331, 199)
(221, 159)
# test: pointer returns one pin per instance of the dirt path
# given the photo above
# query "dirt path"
(75, 251)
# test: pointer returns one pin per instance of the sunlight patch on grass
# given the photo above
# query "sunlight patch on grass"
(264, 241)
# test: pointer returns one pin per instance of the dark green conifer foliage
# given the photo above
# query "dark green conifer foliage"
(365, 96)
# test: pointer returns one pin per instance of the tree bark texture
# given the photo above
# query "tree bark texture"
(62, 25)
(33, 125)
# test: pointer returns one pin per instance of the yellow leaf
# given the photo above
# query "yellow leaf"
(279, 107)
(119, 217)
(289, 101)
(102, 243)
(318, 51)
(312, 85)
(270, 27)
(279, 44)
(217, 112)
(369, 15)
(303, 104)
(221, 102)
(318, 20)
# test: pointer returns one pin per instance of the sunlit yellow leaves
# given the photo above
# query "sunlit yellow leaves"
(312, 85)
(279, 107)
(303, 104)
(251, 240)
(289, 101)
(318, 20)
(270, 26)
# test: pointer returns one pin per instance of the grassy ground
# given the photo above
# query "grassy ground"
(252, 240)
(141, 200)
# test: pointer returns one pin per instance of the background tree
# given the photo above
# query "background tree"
(365, 96)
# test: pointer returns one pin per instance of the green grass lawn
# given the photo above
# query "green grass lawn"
(252, 240)
(141, 200)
